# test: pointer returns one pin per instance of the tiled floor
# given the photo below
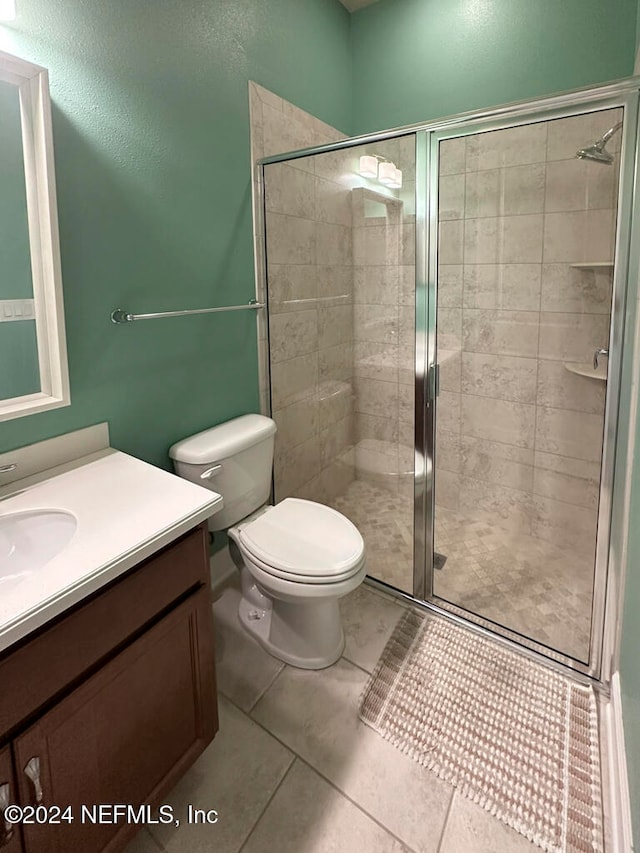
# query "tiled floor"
(525, 584)
(293, 770)
(385, 521)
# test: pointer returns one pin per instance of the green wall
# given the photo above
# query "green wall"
(152, 158)
(420, 59)
(15, 276)
(19, 371)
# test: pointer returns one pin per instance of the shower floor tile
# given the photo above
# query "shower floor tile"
(527, 585)
(385, 521)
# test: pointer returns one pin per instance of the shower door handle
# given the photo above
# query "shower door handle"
(434, 381)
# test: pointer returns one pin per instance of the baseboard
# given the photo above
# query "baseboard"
(619, 803)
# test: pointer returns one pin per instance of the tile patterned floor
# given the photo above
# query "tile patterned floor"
(293, 770)
(528, 585)
(386, 523)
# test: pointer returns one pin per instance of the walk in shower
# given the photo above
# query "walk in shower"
(445, 309)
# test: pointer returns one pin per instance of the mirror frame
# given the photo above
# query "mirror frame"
(32, 82)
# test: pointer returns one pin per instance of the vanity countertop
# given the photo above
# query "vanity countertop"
(125, 509)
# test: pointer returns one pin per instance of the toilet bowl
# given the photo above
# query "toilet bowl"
(297, 558)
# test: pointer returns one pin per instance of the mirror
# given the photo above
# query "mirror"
(33, 358)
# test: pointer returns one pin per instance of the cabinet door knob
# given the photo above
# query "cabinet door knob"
(6, 830)
(32, 770)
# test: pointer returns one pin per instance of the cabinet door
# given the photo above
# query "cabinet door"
(127, 734)
(10, 841)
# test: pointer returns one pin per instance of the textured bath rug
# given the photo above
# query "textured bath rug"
(514, 736)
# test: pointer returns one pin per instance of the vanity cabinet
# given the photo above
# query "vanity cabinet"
(130, 701)
(9, 835)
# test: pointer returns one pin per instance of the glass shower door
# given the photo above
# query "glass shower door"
(340, 253)
(526, 234)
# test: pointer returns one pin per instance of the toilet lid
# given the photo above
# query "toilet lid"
(304, 538)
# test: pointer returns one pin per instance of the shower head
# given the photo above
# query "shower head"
(597, 151)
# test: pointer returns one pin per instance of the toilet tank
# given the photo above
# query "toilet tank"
(243, 448)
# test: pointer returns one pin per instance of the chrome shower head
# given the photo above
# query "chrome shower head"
(597, 151)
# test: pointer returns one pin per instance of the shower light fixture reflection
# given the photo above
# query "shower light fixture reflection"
(386, 173)
(375, 167)
(396, 183)
(368, 166)
(597, 150)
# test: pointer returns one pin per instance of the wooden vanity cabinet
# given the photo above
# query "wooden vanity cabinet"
(127, 729)
(10, 840)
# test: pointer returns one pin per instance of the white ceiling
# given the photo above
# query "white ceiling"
(354, 5)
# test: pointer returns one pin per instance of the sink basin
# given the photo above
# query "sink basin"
(29, 540)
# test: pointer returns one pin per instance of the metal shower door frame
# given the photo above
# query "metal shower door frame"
(613, 510)
(427, 163)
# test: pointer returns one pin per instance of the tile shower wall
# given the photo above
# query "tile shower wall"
(341, 318)
(519, 436)
(384, 324)
(309, 254)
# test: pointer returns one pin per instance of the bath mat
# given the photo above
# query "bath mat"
(517, 738)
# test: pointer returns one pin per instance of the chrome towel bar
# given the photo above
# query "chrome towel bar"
(119, 316)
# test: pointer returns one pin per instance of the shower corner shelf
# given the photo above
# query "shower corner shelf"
(586, 369)
(593, 265)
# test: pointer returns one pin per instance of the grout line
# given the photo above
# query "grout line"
(268, 803)
(242, 710)
(267, 688)
(544, 223)
(542, 212)
(356, 665)
(161, 848)
(363, 669)
(506, 444)
(297, 756)
(446, 820)
(235, 705)
(520, 402)
(357, 805)
(495, 263)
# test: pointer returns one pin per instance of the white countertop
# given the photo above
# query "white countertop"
(126, 510)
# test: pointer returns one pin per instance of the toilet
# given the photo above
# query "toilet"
(296, 559)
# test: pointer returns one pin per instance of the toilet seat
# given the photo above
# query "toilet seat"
(296, 577)
(303, 542)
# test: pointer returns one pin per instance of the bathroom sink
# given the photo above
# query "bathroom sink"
(29, 540)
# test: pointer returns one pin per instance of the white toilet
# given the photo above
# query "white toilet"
(296, 558)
